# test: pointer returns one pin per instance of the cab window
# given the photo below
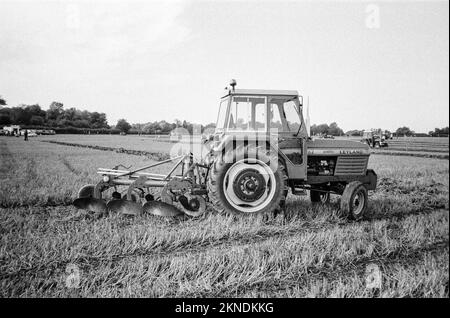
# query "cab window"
(247, 113)
(284, 115)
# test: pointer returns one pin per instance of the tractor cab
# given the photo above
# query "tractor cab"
(255, 116)
(252, 111)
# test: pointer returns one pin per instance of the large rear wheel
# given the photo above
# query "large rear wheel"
(247, 180)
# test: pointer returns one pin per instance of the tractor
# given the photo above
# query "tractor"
(260, 150)
(376, 138)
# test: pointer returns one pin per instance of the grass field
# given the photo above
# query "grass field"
(414, 146)
(311, 251)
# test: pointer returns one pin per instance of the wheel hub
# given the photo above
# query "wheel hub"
(358, 203)
(249, 185)
(194, 204)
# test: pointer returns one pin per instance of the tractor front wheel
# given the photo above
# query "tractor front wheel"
(247, 180)
(354, 200)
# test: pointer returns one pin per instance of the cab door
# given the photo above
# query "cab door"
(286, 122)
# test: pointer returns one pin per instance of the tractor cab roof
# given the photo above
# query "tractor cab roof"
(260, 92)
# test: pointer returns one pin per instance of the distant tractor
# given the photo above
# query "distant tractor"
(259, 150)
(376, 138)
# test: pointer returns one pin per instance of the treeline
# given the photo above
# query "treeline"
(163, 127)
(406, 131)
(323, 129)
(439, 132)
(54, 117)
(75, 121)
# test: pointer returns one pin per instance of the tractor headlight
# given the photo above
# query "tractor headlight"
(105, 178)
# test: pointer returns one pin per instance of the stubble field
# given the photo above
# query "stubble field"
(310, 251)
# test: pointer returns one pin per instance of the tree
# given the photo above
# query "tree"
(34, 110)
(439, 132)
(404, 131)
(55, 110)
(2, 101)
(5, 119)
(20, 115)
(37, 120)
(81, 123)
(321, 129)
(98, 120)
(334, 130)
(123, 125)
(354, 132)
(139, 128)
(178, 122)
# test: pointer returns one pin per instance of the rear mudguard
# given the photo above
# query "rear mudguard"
(232, 141)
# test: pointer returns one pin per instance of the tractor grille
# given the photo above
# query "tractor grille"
(351, 165)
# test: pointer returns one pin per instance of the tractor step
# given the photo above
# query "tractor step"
(298, 191)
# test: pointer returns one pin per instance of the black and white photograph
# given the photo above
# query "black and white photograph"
(224, 154)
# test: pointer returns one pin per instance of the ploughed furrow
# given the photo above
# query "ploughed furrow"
(242, 268)
(338, 270)
(200, 244)
(179, 249)
(157, 156)
(69, 166)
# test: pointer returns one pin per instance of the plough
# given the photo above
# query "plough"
(183, 193)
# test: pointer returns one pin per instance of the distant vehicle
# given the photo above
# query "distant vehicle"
(45, 132)
(376, 138)
(31, 133)
(13, 130)
(324, 136)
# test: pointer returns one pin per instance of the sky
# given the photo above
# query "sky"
(378, 64)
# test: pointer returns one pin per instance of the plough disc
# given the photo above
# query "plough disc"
(124, 207)
(194, 207)
(161, 209)
(91, 204)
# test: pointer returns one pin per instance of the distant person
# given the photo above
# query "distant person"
(25, 135)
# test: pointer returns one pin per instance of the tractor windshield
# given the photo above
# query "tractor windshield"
(247, 113)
